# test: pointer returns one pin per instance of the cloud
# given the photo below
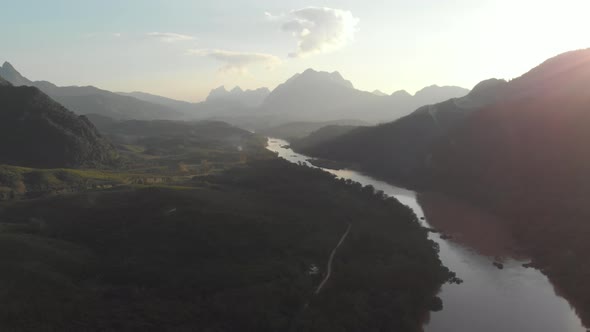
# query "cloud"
(320, 29)
(117, 35)
(170, 37)
(272, 17)
(239, 61)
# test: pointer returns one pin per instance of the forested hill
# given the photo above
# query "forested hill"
(37, 131)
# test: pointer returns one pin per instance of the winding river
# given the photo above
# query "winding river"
(512, 299)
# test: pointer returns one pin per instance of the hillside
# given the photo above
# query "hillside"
(36, 131)
(89, 99)
(201, 133)
(399, 149)
(321, 136)
(179, 105)
(518, 150)
(292, 131)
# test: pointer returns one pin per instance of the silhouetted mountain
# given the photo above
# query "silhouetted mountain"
(502, 134)
(9, 73)
(379, 93)
(296, 130)
(534, 130)
(237, 96)
(322, 135)
(397, 149)
(36, 131)
(435, 94)
(179, 105)
(322, 96)
(88, 99)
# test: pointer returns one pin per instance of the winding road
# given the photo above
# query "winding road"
(327, 277)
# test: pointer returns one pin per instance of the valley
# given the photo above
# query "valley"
(267, 166)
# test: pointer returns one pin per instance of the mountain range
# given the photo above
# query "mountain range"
(514, 112)
(311, 96)
(322, 96)
(89, 99)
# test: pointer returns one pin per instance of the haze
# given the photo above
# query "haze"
(186, 48)
(296, 166)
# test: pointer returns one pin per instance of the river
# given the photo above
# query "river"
(512, 299)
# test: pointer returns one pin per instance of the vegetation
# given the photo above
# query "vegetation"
(322, 135)
(198, 227)
(174, 148)
(293, 131)
(230, 252)
(38, 132)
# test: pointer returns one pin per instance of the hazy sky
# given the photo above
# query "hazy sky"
(183, 48)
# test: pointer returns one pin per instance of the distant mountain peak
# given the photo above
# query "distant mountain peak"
(237, 89)
(401, 93)
(220, 88)
(337, 74)
(237, 96)
(8, 65)
(10, 74)
(379, 93)
(311, 75)
(432, 93)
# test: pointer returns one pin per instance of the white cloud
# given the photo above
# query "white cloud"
(117, 35)
(320, 29)
(170, 37)
(272, 17)
(239, 61)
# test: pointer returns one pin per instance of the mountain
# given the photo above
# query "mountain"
(297, 130)
(502, 134)
(379, 93)
(237, 96)
(88, 99)
(526, 158)
(398, 149)
(38, 132)
(179, 105)
(534, 131)
(220, 102)
(322, 135)
(318, 96)
(518, 149)
(9, 73)
(435, 94)
(322, 96)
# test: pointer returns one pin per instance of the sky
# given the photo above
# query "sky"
(184, 48)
